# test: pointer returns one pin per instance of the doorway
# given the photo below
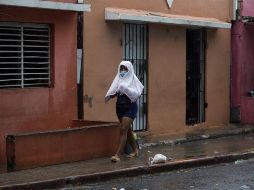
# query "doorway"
(195, 76)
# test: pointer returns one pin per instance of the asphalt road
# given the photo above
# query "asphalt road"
(231, 176)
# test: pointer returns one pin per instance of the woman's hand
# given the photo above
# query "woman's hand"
(109, 97)
(113, 96)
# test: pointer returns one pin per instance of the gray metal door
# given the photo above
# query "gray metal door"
(135, 42)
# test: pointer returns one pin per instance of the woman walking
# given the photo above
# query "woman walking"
(127, 88)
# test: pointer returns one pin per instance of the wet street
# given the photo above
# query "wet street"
(238, 175)
(232, 176)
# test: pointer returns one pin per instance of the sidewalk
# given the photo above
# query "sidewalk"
(200, 134)
(201, 148)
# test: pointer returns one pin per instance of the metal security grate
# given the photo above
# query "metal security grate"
(135, 50)
(24, 55)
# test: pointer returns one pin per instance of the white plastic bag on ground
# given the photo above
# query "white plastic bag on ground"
(245, 187)
(158, 158)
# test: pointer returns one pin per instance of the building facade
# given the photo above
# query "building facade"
(38, 72)
(242, 86)
(180, 51)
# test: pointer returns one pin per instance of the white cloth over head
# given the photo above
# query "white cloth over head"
(128, 85)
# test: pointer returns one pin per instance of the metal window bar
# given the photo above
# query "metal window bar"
(37, 68)
(36, 78)
(38, 63)
(134, 50)
(9, 40)
(2, 34)
(22, 58)
(24, 55)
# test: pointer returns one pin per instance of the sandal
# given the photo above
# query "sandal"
(115, 159)
(131, 155)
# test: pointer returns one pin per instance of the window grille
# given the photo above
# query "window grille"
(135, 50)
(24, 55)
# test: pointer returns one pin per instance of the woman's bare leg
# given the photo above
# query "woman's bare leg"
(125, 126)
(131, 139)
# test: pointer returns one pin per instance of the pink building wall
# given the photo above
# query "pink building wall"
(247, 8)
(243, 70)
(38, 109)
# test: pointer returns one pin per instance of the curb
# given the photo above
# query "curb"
(199, 137)
(133, 171)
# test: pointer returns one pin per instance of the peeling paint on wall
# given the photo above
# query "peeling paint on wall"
(89, 100)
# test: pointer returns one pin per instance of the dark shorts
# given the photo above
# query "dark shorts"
(127, 110)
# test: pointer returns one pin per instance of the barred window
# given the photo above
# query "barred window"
(24, 55)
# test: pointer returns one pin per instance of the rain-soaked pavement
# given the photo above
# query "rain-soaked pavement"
(204, 148)
(238, 175)
(196, 149)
